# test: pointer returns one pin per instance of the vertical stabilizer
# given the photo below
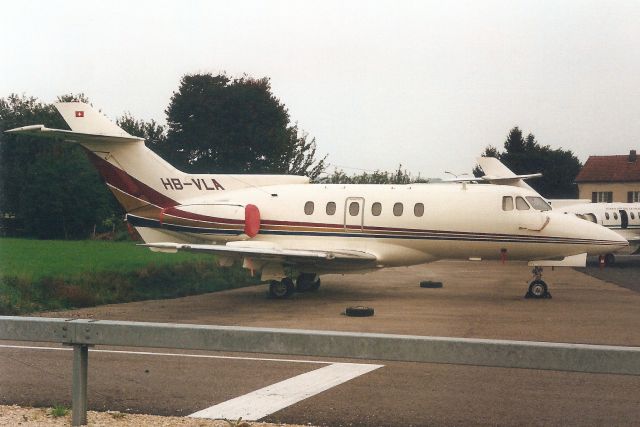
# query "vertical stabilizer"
(83, 118)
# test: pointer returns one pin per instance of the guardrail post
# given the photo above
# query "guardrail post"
(79, 390)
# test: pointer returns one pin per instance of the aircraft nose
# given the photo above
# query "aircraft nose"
(601, 239)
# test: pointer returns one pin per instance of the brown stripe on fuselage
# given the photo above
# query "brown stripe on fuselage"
(124, 182)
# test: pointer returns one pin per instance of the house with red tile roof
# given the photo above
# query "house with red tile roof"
(610, 179)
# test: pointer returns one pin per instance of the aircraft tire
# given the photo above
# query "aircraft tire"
(538, 289)
(281, 289)
(315, 285)
(430, 284)
(609, 260)
(307, 282)
(359, 311)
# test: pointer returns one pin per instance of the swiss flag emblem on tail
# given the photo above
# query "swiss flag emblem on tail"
(79, 113)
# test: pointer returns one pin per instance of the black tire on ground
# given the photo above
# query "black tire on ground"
(359, 311)
(430, 284)
(538, 289)
(609, 260)
(315, 285)
(307, 282)
(281, 289)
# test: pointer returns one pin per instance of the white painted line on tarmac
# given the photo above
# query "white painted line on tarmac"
(260, 403)
(150, 353)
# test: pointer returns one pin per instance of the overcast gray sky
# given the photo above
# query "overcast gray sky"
(427, 84)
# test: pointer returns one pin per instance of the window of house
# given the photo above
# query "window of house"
(397, 209)
(376, 209)
(354, 208)
(521, 204)
(602, 197)
(507, 203)
(308, 208)
(633, 196)
(418, 209)
(331, 208)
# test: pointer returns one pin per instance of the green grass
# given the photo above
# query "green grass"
(38, 258)
(59, 411)
(38, 275)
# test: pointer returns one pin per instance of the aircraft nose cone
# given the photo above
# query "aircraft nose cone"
(607, 240)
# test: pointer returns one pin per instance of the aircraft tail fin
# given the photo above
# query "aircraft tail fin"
(83, 118)
(497, 173)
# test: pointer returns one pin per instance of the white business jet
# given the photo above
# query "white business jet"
(623, 218)
(286, 228)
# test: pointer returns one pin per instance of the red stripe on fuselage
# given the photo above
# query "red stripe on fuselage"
(124, 182)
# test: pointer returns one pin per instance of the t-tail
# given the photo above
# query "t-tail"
(140, 179)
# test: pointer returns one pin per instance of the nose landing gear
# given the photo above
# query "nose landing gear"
(537, 288)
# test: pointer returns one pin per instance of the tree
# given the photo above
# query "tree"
(224, 125)
(524, 155)
(48, 189)
(399, 176)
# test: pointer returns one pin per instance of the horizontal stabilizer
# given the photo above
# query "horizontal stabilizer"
(71, 136)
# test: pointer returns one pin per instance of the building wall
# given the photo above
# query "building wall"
(619, 190)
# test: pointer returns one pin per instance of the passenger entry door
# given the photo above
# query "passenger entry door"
(354, 214)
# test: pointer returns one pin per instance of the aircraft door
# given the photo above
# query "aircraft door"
(354, 214)
(624, 219)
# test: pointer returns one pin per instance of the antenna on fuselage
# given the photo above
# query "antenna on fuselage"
(464, 183)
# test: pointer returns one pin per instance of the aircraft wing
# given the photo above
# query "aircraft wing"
(270, 254)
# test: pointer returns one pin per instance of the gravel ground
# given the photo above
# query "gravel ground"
(20, 416)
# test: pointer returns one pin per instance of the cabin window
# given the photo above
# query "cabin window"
(606, 215)
(397, 209)
(418, 209)
(507, 203)
(615, 215)
(521, 204)
(538, 203)
(590, 217)
(376, 209)
(354, 208)
(331, 208)
(308, 208)
(632, 215)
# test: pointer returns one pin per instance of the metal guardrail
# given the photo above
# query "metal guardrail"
(83, 333)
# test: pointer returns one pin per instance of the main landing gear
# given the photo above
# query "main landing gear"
(284, 288)
(537, 288)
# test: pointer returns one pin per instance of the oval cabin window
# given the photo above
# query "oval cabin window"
(308, 208)
(606, 215)
(397, 209)
(354, 208)
(418, 209)
(331, 208)
(376, 209)
(615, 215)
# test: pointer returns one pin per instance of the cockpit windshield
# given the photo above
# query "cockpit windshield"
(538, 203)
